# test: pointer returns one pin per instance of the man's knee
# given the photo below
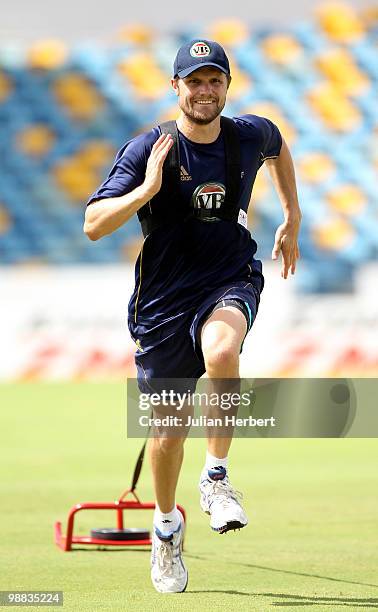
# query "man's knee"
(221, 338)
(222, 357)
(169, 445)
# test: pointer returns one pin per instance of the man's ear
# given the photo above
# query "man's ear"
(174, 83)
(229, 81)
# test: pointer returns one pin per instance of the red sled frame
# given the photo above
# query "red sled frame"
(65, 542)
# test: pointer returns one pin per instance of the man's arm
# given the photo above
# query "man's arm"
(281, 170)
(105, 216)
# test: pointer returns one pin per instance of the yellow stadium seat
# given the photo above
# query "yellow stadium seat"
(85, 108)
(340, 68)
(340, 22)
(228, 32)
(337, 112)
(5, 87)
(79, 189)
(78, 96)
(136, 34)
(5, 220)
(369, 16)
(347, 199)
(315, 167)
(333, 234)
(47, 54)
(241, 82)
(35, 140)
(270, 110)
(281, 49)
(76, 180)
(96, 154)
(144, 75)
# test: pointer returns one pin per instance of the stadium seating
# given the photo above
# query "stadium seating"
(65, 112)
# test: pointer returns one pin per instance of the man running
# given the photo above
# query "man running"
(198, 284)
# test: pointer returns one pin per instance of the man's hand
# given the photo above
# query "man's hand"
(286, 242)
(154, 169)
(106, 215)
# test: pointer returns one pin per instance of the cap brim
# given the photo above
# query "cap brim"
(184, 73)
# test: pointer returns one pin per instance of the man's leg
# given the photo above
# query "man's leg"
(166, 450)
(163, 355)
(221, 338)
(166, 455)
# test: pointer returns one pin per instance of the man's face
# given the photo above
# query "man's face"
(202, 94)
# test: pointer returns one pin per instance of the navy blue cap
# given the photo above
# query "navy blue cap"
(198, 53)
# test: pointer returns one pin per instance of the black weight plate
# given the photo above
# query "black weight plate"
(132, 533)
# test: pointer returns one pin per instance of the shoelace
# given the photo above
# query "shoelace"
(165, 558)
(224, 492)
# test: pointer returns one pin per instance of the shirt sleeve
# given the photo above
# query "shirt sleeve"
(129, 168)
(272, 139)
(265, 133)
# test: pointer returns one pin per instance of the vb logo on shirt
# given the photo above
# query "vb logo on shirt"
(209, 196)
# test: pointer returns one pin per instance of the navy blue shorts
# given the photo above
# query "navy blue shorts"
(170, 349)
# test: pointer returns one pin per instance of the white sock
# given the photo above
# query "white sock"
(212, 462)
(166, 522)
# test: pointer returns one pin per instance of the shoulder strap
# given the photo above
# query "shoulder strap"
(160, 210)
(172, 162)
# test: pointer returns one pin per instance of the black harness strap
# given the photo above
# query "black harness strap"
(159, 210)
(233, 166)
(172, 164)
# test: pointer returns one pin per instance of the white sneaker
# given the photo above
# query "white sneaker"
(168, 572)
(221, 501)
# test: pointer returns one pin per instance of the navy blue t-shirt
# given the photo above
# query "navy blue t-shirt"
(181, 262)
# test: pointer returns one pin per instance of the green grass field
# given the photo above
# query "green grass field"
(312, 541)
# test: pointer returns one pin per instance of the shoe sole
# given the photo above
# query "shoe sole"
(184, 589)
(230, 526)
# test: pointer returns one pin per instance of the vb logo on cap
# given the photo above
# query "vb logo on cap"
(198, 54)
(200, 49)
